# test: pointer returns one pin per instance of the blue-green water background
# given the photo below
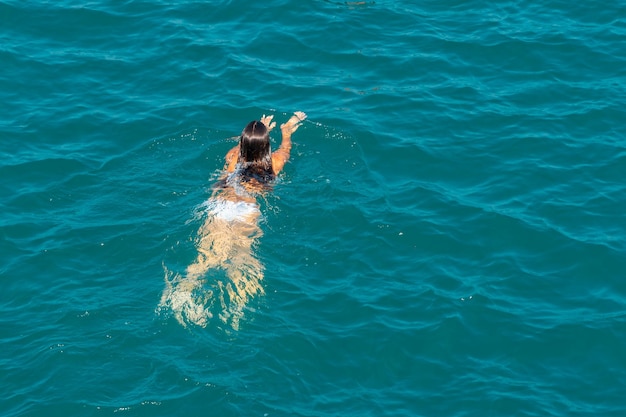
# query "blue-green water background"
(448, 238)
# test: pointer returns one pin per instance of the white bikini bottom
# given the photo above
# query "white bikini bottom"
(229, 210)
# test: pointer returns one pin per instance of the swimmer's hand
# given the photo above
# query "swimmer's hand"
(267, 121)
(293, 123)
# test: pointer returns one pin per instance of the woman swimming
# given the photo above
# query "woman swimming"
(225, 241)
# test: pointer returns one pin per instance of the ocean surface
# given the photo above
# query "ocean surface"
(447, 239)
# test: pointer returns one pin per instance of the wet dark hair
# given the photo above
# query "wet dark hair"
(255, 154)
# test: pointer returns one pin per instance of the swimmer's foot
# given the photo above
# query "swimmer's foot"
(267, 121)
(294, 122)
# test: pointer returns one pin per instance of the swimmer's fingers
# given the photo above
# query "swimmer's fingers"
(300, 115)
(267, 121)
(294, 122)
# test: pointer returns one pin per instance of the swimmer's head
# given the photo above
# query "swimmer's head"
(254, 145)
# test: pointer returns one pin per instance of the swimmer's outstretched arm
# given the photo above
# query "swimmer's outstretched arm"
(281, 156)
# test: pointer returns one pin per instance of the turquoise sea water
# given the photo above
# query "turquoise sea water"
(448, 238)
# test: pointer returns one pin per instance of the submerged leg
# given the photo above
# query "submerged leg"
(222, 245)
(187, 299)
(245, 276)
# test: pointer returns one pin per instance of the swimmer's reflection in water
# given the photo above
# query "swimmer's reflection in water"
(227, 238)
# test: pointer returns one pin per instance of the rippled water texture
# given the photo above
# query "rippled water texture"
(447, 239)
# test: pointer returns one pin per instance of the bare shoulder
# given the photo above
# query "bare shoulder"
(231, 159)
